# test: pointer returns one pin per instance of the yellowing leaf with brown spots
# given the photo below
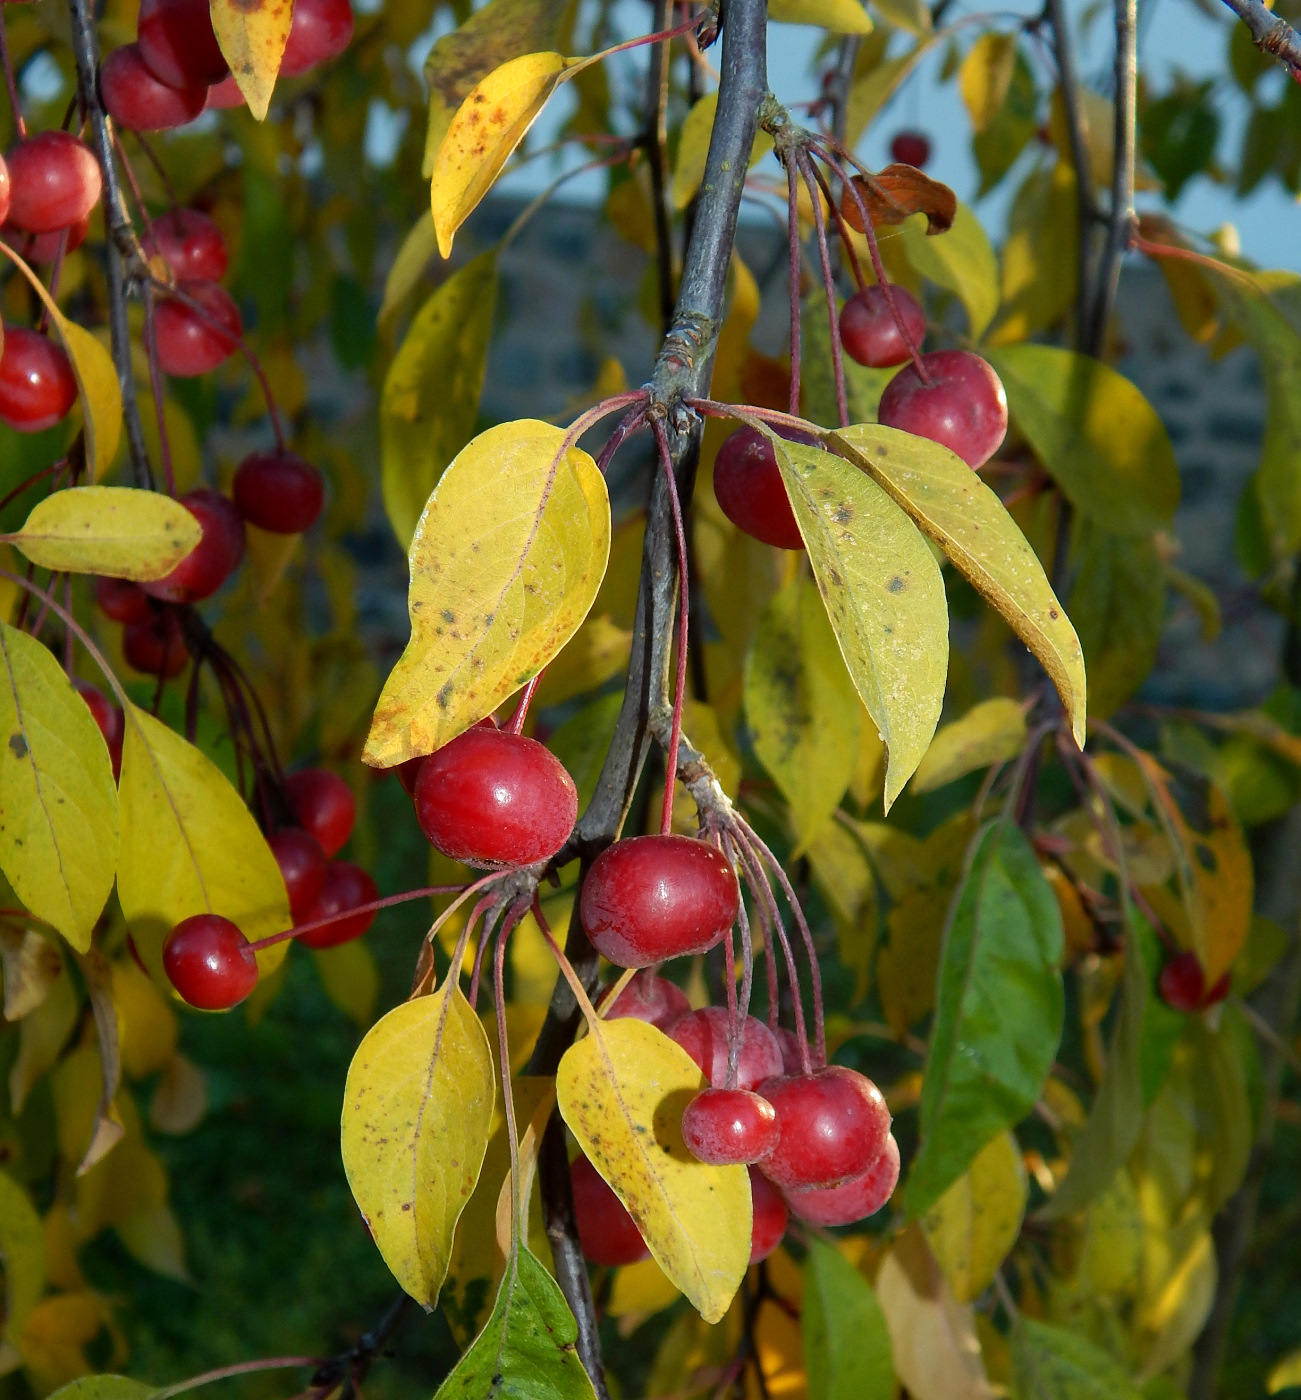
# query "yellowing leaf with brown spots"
(505, 564)
(622, 1090)
(883, 593)
(488, 126)
(417, 1109)
(252, 35)
(950, 503)
(974, 1224)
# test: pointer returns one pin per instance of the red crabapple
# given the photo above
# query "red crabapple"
(648, 998)
(726, 1127)
(911, 148)
(190, 244)
(703, 1035)
(853, 1199)
(607, 1234)
(109, 718)
(212, 561)
(193, 342)
(749, 489)
(321, 30)
(833, 1123)
(37, 385)
(324, 803)
(54, 182)
(279, 492)
(179, 44)
(138, 101)
(156, 644)
(963, 407)
(768, 1215)
(4, 190)
(209, 962)
(869, 331)
(302, 867)
(121, 600)
(45, 247)
(346, 887)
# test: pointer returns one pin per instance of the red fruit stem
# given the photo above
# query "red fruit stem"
(829, 287)
(10, 84)
(463, 892)
(747, 967)
(594, 414)
(631, 420)
(163, 178)
(134, 185)
(659, 37)
(55, 468)
(56, 276)
(485, 905)
(518, 1224)
(793, 239)
(590, 1013)
(516, 725)
(35, 629)
(842, 228)
(684, 629)
(734, 1022)
(748, 413)
(241, 1368)
(156, 388)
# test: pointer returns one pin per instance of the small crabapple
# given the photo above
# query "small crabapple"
(209, 962)
(833, 1124)
(324, 803)
(726, 1127)
(704, 1035)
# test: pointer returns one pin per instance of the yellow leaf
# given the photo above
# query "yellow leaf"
(114, 530)
(417, 1108)
(1040, 254)
(839, 16)
(180, 1098)
(418, 247)
(884, 596)
(147, 1024)
(350, 979)
(622, 1090)
(97, 382)
(152, 1237)
(641, 1289)
(986, 75)
(932, 1335)
(42, 1034)
(490, 123)
(912, 16)
(22, 1251)
(693, 142)
(54, 1337)
(974, 1224)
(991, 732)
(505, 564)
(252, 35)
(968, 521)
(1112, 1249)
(31, 964)
(1286, 1374)
(190, 846)
(269, 558)
(58, 804)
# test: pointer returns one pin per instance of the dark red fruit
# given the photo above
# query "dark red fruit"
(652, 999)
(493, 798)
(209, 962)
(726, 1127)
(703, 1035)
(963, 407)
(321, 30)
(607, 1234)
(1182, 984)
(138, 101)
(769, 1216)
(278, 491)
(302, 867)
(324, 804)
(156, 645)
(911, 148)
(792, 1058)
(1219, 991)
(4, 190)
(190, 244)
(212, 561)
(869, 331)
(45, 247)
(37, 386)
(178, 43)
(54, 182)
(346, 887)
(853, 1199)
(408, 772)
(748, 487)
(111, 721)
(121, 600)
(193, 342)
(225, 94)
(649, 898)
(833, 1123)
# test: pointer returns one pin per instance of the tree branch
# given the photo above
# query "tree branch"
(1270, 33)
(656, 142)
(123, 251)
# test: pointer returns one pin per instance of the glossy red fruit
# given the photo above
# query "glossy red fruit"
(302, 867)
(190, 244)
(324, 803)
(225, 94)
(178, 43)
(493, 798)
(121, 600)
(109, 718)
(54, 182)
(748, 487)
(726, 1127)
(408, 772)
(792, 1059)
(833, 1122)
(4, 190)
(209, 962)
(963, 407)
(193, 342)
(769, 1216)
(703, 1035)
(911, 148)
(138, 101)
(649, 898)
(37, 386)
(45, 247)
(321, 30)
(648, 998)
(607, 1234)
(346, 887)
(869, 331)
(156, 645)
(278, 491)
(853, 1199)
(212, 561)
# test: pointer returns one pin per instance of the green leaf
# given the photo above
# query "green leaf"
(103, 1387)
(22, 1251)
(1011, 126)
(846, 1342)
(526, 1350)
(801, 707)
(992, 732)
(431, 392)
(1040, 272)
(998, 1015)
(1118, 603)
(58, 803)
(966, 519)
(883, 593)
(417, 1110)
(1095, 433)
(961, 260)
(1049, 1363)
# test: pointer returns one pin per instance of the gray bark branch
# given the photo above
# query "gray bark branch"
(1270, 33)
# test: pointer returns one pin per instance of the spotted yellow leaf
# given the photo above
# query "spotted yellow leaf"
(252, 35)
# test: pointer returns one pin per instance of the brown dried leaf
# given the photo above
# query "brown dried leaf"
(895, 193)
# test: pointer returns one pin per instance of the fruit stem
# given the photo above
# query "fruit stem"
(462, 892)
(55, 468)
(742, 1003)
(746, 413)
(156, 390)
(630, 421)
(793, 239)
(518, 1224)
(10, 84)
(485, 937)
(532, 207)
(241, 1368)
(842, 228)
(590, 1014)
(516, 725)
(684, 628)
(733, 1017)
(829, 287)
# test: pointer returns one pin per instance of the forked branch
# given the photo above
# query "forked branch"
(1271, 33)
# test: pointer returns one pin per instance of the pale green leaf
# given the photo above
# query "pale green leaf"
(974, 1224)
(693, 142)
(414, 255)
(1050, 1363)
(22, 1252)
(992, 732)
(985, 75)
(838, 16)
(961, 260)
(912, 16)
(846, 1342)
